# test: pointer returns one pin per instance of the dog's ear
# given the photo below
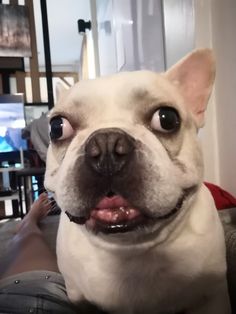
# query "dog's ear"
(194, 77)
(60, 90)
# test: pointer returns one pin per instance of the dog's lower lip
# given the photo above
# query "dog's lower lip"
(80, 220)
(94, 222)
(120, 227)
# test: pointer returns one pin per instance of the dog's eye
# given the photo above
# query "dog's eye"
(165, 120)
(60, 128)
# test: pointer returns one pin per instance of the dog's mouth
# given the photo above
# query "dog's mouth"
(114, 214)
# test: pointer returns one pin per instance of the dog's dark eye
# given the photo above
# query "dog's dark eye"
(60, 128)
(165, 120)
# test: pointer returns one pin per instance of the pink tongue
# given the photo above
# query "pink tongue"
(112, 202)
(114, 210)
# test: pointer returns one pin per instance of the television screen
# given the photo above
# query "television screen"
(12, 121)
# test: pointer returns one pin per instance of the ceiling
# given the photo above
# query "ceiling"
(65, 41)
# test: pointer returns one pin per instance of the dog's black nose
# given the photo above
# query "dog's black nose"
(108, 151)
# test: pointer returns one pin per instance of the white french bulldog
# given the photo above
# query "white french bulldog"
(139, 232)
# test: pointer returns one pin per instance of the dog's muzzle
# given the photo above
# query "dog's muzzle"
(109, 175)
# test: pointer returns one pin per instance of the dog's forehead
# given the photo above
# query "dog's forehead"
(123, 90)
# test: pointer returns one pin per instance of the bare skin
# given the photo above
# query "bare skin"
(28, 250)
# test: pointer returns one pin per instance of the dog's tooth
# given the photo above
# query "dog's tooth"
(116, 217)
(122, 208)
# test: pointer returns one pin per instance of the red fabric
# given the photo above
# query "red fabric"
(222, 198)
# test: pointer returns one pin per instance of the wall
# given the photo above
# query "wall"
(179, 29)
(130, 35)
(215, 27)
(143, 34)
(224, 44)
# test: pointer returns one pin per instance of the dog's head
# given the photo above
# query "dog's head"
(124, 155)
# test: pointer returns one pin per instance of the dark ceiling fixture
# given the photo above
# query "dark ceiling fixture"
(82, 26)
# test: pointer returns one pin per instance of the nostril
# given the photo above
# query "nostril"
(93, 149)
(120, 149)
(123, 147)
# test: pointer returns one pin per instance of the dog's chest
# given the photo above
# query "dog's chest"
(131, 286)
(135, 281)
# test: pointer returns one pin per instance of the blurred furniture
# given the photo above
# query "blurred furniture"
(25, 185)
(8, 190)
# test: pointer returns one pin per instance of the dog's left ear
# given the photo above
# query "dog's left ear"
(194, 77)
(60, 90)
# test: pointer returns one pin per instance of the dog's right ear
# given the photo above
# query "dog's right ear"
(194, 76)
(60, 90)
